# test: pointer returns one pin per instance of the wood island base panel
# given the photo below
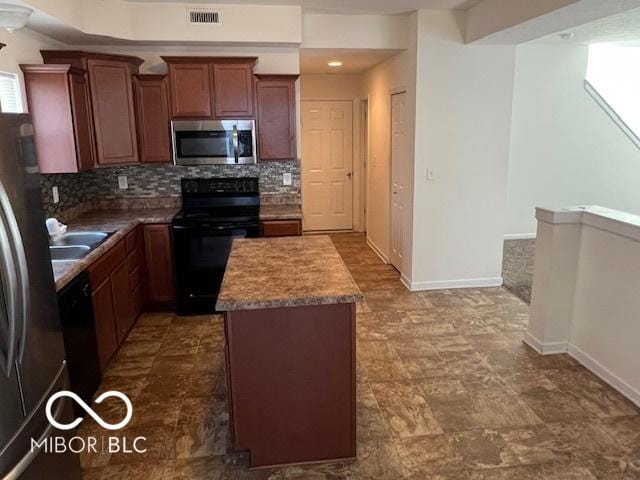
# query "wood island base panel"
(292, 383)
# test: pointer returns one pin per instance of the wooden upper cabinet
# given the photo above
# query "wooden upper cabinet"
(60, 106)
(152, 116)
(211, 87)
(276, 97)
(233, 89)
(113, 112)
(112, 107)
(190, 90)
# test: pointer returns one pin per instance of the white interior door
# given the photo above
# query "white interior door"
(327, 165)
(400, 178)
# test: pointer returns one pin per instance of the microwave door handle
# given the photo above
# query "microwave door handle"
(10, 281)
(22, 270)
(236, 153)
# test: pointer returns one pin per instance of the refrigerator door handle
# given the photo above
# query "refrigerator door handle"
(20, 295)
(23, 464)
(10, 281)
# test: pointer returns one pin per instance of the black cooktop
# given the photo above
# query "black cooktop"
(219, 200)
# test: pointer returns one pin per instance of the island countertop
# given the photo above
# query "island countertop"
(285, 272)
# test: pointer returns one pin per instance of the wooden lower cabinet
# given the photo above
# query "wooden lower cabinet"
(134, 272)
(104, 313)
(122, 301)
(280, 228)
(158, 249)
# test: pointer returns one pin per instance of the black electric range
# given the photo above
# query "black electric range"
(214, 212)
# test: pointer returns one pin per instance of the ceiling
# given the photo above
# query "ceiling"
(314, 60)
(382, 7)
(624, 27)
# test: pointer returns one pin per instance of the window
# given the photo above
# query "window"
(614, 73)
(10, 93)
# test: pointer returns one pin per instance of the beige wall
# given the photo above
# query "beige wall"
(577, 155)
(463, 122)
(23, 46)
(330, 87)
(394, 75)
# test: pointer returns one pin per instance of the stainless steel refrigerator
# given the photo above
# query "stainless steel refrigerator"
(32, 357)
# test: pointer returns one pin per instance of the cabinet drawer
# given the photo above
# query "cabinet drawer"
(133, 239)
(135, 259)
(103, 267)
(281, 228)
(135, 277)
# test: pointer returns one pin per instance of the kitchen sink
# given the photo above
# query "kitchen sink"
(68, 253)
(87, 239)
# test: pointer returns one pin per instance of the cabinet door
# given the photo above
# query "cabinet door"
(190, 87)
(157, 239)
(281, 228)
(113, 112)
(233, 90)
(104, 314)
(122, 301)
(276, 119)
(152, 109)
(82, 121)
(49, 106)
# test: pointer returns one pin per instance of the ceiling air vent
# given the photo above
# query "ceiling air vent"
(204, 17)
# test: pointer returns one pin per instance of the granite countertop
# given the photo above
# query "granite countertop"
(120, 222)
(285, 272)
(280, 212)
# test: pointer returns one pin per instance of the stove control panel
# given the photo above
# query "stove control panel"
(217, 186)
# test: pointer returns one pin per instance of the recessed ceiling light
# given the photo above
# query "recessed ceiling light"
(335, 63)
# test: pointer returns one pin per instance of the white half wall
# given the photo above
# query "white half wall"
(463, 121)
(565, 150)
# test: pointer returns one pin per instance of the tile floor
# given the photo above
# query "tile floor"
(446, 390)
(517, 267)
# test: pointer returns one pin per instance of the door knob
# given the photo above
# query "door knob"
(349, 174)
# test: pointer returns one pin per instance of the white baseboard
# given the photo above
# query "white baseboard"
(459, 283)
(587, 361)
(605, 374)
(548, 348)
(520, 236)
(376, 250)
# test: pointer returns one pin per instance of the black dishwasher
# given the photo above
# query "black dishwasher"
(79, 333)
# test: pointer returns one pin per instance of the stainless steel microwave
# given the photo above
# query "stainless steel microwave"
(208, 142)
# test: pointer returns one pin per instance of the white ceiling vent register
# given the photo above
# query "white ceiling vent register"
(199, 16)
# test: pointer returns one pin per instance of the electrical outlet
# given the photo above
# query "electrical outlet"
(286, 179)
(55, 194)
(123, 183)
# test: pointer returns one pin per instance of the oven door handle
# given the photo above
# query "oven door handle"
(236, 150)
(218, 228)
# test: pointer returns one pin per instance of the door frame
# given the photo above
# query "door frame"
(364, 154)
(392, 92)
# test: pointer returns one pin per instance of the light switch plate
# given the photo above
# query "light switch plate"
(431, 174)
(123, 183)
(55, 194)
(286, 179)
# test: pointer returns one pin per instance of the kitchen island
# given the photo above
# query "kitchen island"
(290, 310)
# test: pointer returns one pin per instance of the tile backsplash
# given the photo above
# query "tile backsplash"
(157, 181)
